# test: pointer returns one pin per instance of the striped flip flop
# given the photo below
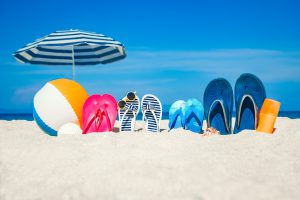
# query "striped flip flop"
(127, 116)
(152, 112)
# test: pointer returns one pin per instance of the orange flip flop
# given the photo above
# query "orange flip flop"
(268, 115)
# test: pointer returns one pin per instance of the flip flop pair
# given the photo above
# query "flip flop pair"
(129, 108)
(188, 115)
(249, 94)
(99, 113)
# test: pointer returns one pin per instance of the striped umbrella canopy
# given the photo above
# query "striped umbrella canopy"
(71, 47)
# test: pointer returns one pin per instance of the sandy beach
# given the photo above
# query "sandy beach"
(168, 165)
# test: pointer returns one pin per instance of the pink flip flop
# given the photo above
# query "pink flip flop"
(99, 113)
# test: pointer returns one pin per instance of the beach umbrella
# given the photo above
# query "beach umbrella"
(72, 48)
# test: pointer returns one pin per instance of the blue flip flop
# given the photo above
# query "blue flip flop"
(249, 96)
(218, 104)
(194, 115)
(176, 115)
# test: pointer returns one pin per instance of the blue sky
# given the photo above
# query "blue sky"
(174, 48)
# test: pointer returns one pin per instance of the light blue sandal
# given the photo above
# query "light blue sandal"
(194, 115)
(176, 115)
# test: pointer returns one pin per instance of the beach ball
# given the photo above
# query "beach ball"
(70, 128)
(57, 103)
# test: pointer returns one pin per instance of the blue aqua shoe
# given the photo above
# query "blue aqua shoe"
(249, 94)
(218, 104)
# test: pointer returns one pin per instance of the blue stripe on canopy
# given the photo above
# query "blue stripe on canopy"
(75, 38)
(41, 48)
(57, 49)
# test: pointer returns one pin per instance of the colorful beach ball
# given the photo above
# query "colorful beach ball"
(57, 103)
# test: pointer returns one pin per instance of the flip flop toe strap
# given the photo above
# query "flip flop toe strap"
(174, 118)
(97, 118)
(131, 106)
(148, 107)
(192, 111)
(224, 114)
(125, 116)
(107, 117)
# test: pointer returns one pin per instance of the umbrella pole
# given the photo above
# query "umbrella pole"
(73, 64)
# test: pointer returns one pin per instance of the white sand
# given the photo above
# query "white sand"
(176, 165)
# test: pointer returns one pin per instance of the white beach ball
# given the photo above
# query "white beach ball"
(69, 129)
(59, 102)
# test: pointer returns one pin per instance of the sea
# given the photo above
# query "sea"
(29, 117)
